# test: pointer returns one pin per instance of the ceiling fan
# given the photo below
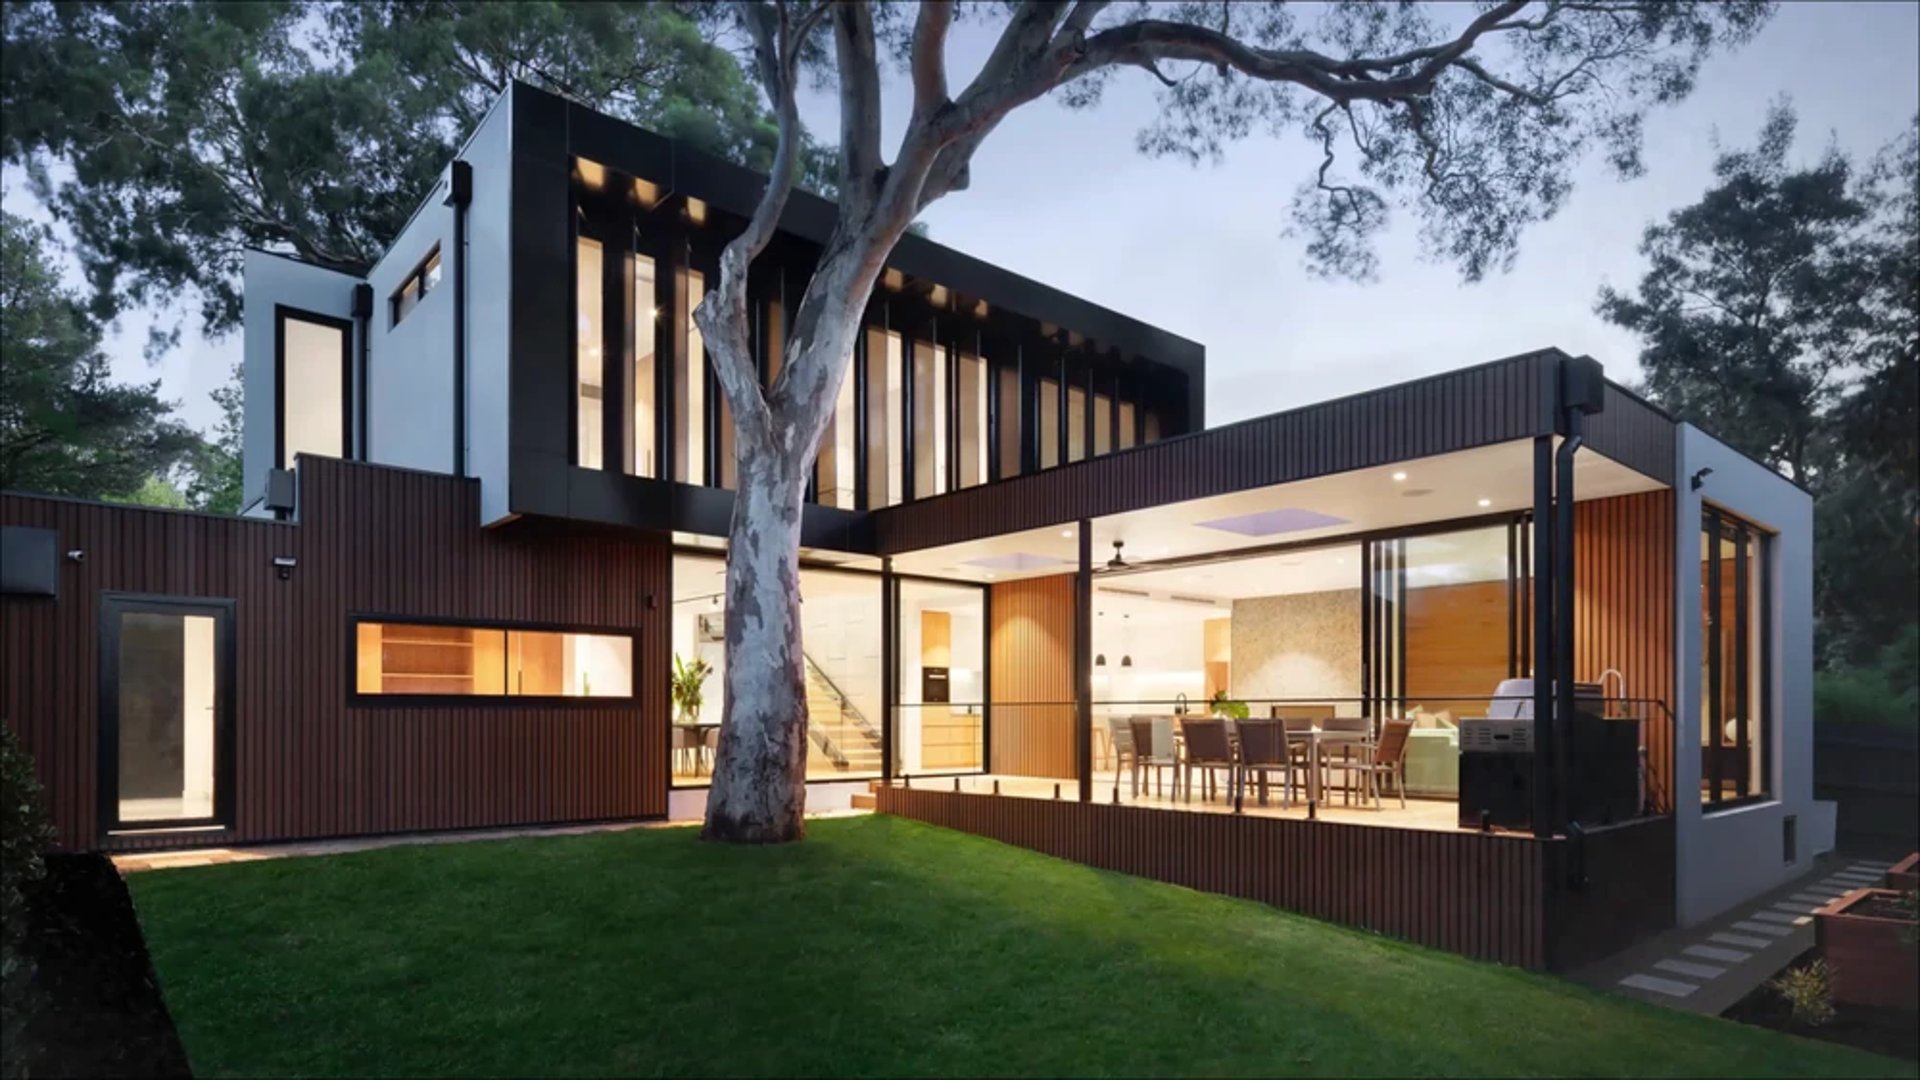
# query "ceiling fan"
(1118, 562)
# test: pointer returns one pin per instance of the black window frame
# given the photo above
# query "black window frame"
(416, 277)
(282, 313)
(358, 699)
(1752, 629)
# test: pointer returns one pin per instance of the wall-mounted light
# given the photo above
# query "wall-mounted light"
(76, 555)
(1700, 478)
(283, 566)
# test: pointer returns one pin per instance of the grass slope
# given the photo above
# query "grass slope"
(877, 947)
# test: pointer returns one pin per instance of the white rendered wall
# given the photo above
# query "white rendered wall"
(410, 365)
(1733, 855)
(489, 284)
(268, 281)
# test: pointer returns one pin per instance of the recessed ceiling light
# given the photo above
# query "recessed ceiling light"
(1068, 533)
(989, 577)
(1486, 502)
(1399, 477)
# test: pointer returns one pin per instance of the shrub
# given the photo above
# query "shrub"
(24, 836)
(1809, 990)
(1885, 692)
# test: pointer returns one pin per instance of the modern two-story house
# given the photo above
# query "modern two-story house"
(489, 483)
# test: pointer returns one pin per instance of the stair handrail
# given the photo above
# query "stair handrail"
(847, 708)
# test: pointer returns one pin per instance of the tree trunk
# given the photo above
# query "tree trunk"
(759, 791)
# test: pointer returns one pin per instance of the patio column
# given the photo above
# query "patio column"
(1544, 664)
(1083, 663)
(889, 666)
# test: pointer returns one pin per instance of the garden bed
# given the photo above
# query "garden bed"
(1882, 1031)
(99, 1011)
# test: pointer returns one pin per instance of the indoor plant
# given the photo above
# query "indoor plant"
(689, 688)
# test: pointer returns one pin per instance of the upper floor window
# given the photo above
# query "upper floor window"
(424, 279)
(313, 384)
(589, 345)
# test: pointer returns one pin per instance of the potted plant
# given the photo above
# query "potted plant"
(689, 688)
(1867, 938)
(1226, 708)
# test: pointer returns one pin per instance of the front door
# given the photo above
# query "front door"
(166, 712)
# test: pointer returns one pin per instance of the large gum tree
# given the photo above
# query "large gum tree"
(1469, 117)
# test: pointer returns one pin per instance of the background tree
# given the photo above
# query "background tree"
(171, 136)
(1781, 312)
(1470, 118)
(65, 427)
(1750, 311)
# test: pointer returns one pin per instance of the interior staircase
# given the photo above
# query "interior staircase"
(847, 739)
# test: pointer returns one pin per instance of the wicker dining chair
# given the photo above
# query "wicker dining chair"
(1153, 750)
(1388, 761)
(1264, 749)
(1209, 749)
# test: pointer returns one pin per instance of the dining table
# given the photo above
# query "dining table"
(694, 733)
(1319, 741)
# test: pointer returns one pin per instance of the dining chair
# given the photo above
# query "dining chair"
(1120, 738)
(1264, 748)
(1208, 749)
(1388, 760)
(1153, 749)
(1352, 754)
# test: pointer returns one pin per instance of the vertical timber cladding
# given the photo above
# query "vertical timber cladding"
(1483, 896)
(1031, 642)
(1623, 610)
(370, 541)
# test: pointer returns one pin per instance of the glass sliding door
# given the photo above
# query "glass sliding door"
(166, 705)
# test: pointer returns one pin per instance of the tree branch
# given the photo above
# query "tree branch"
(929, 59)
(859, 68)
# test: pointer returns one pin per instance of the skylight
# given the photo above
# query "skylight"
(1273, 522)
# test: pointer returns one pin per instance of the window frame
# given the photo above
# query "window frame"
(282, 313)
(418, 275)
(1753, 654)
(357, 699)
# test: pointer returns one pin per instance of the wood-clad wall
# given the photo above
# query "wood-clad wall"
(1456, 645)
(1031, 685)
(370, 541)
(1493, 896)
(1623, 610)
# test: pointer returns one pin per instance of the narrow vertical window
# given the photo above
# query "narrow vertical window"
(970, 418)
(1152, 433)
(589, 334)
(1126, 424)
(1076, 423)
(690, 457)
(646, 323)
(1010, 435)
(1102, 424)
(1049, 423)
(929, 419)
(312, 377)
(834, 467)
(885, 435)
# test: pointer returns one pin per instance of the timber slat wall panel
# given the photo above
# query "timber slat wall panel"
(1623, 608)
(1507, 399)
(1479, 895)
(372, 541)
(1031, 681)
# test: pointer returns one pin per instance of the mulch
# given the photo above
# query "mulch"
(1892, 1032)
(100, 1011)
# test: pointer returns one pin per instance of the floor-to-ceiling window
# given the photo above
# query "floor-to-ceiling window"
(970, 419)
(690, 384)
(929, 419)
(1011, 428)
(1076, 424)
(942, 690)
(1736, 677)
(589, 334)
(886, 458)
(1049, 423)
(646, 323)
(840, 627)
(834, 468)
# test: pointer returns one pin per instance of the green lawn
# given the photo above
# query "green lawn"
(878, 947)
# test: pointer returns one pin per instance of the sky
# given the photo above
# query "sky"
(1063, 197)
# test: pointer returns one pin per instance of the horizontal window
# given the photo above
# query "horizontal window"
(481, 661)
(418, 284)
